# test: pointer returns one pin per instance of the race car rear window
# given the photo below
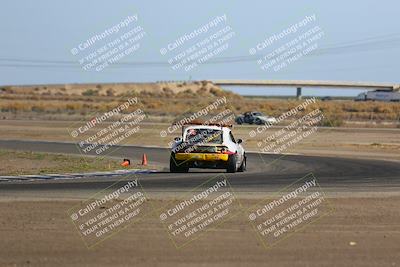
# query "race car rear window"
(204, 136)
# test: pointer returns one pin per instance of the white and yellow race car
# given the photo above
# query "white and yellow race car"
(207, 146)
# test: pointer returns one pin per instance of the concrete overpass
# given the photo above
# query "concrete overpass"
(310, 83)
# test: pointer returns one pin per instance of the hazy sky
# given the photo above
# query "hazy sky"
(361, 39)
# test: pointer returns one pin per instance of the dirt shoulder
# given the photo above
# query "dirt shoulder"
(28, 162)
(360, 232)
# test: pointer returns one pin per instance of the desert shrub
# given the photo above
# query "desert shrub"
(37, 108)
(7, 90)
(202, 91)
(216, 92)
(331, 121)
(130, 93)
(381, 109)
(145, 93)
(90, 92)
(110, 92)
(188, 91)
(167, 91)
(72, 107)
(154, 105)
(16, 106)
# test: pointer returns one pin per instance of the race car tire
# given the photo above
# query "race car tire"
(174, 165)
(231, 167)
(243, 166)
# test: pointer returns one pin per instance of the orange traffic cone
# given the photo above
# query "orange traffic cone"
(144, 160)
(126, 163)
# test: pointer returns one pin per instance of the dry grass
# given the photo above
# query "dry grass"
(27, 162)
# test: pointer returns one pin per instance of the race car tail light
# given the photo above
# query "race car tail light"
(225, 150)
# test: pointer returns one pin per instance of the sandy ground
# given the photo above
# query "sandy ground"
(359, 232)
(344, 142)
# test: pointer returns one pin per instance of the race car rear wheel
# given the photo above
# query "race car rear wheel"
(243, 166)
(231, 167)
(177, 166)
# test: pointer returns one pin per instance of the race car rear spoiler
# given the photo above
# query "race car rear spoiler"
(185, 125)
(208, 124)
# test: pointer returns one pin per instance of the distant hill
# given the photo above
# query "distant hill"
(204, 88)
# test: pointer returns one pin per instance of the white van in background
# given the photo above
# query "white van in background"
(379, 95)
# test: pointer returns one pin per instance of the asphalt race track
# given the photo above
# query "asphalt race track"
(265, 172)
